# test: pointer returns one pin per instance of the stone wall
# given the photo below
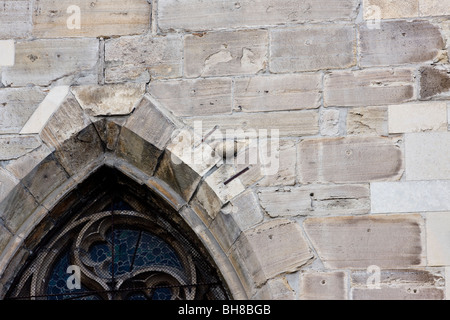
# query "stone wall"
(355, 93)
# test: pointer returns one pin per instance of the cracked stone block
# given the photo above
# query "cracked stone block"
(278, 92)
(400, 42)
(100, 18)
(390, 9)
(107, 100)
(22, 166)
(323, 285)
(312, 47)
(16, 107)
(434, 82)
(16, 19)
(367, 121)
(214, 14)
(387, 241)
(316, 200)
(139, 58)
(225, 53)
(417, 117)
(350, 159)
(275, 289)
(370, 87)
(44, 61)
(16, 146)
(194, 97)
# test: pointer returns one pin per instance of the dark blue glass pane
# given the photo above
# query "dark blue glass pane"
(162, 294)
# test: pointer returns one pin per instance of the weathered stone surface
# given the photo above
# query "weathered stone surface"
(329, 122)
(140, 58)
(315, 200)
(392, 277)
(390, 9)
(368, 87)
(7, 183)
(196, 97)
(434, 82)
(402, 196)
(41, 62)
(198, 15)
(368, 121)
(312, 47)
(438, 234)
(427, 156)
(15, 146)
(401, 292)
(16, 107)
(22, 166)
(427, 116)
(16, 19)
(5, 236)
(399, 42)
(270, 249)
(294, 123)
(433, 8)
(52, 18)
(357, 242)
(225, 53)
(275, 289)
(323, 286)
(216, 180)
(245, 210)
(7, 53)
(278, 92)
(116, 99)
(350, 159)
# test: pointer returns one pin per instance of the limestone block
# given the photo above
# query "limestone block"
(225, 53)
(329, 122)
(7, 53)
(416, 117)
(350, 159)
(438, 235)
(139, 58)
(272, 248)
(57, 18)
(16, 19)
(434, 8)
(278, 92)
(369, 87)
(194, 97)
(368, 121)
(434, 82)
(294, 123)
(312, 47)
(16, 107)
(390, 9)
(399, 42)
(116, 99)
(387, 241)
(200, 15)
(393, 277)
(427, 155)
(323, 285)
(403, 196)
(316, 200)
(400, 292)
(43, 61)
(15, 146)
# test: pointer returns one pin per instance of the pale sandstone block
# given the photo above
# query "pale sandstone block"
(399, 42)
(402, 292)
(387, 241)
(41, 62)
(390, 9)
(194, 97)
(312, 47)
(427, 116)
(329, 122)
(16, 107)
(438, 236)
(392, 277)
(368, 87)
(139, 58)
(368, 121)
(15, 146)
(214, 14)
(16, 19)
(7, 53)
(410, 196)
(323, 285)
(55, 18)
(225, 53)
(275, 289)
(350, 159)
(427, 156)
(316, 200)
(434, 8)
(278, 92)
(245, 210)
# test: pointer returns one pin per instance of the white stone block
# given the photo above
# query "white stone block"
(7, 53)
(427, 156)
(416, 117)
(410, 196)
(438, 238)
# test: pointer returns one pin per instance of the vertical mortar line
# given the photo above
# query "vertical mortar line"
(154, 17)
(101, 67)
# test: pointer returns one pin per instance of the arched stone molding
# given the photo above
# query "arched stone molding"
(148, 145)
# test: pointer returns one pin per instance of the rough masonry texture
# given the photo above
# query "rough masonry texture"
(306, 144)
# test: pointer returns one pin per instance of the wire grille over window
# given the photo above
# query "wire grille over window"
(118, 254)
